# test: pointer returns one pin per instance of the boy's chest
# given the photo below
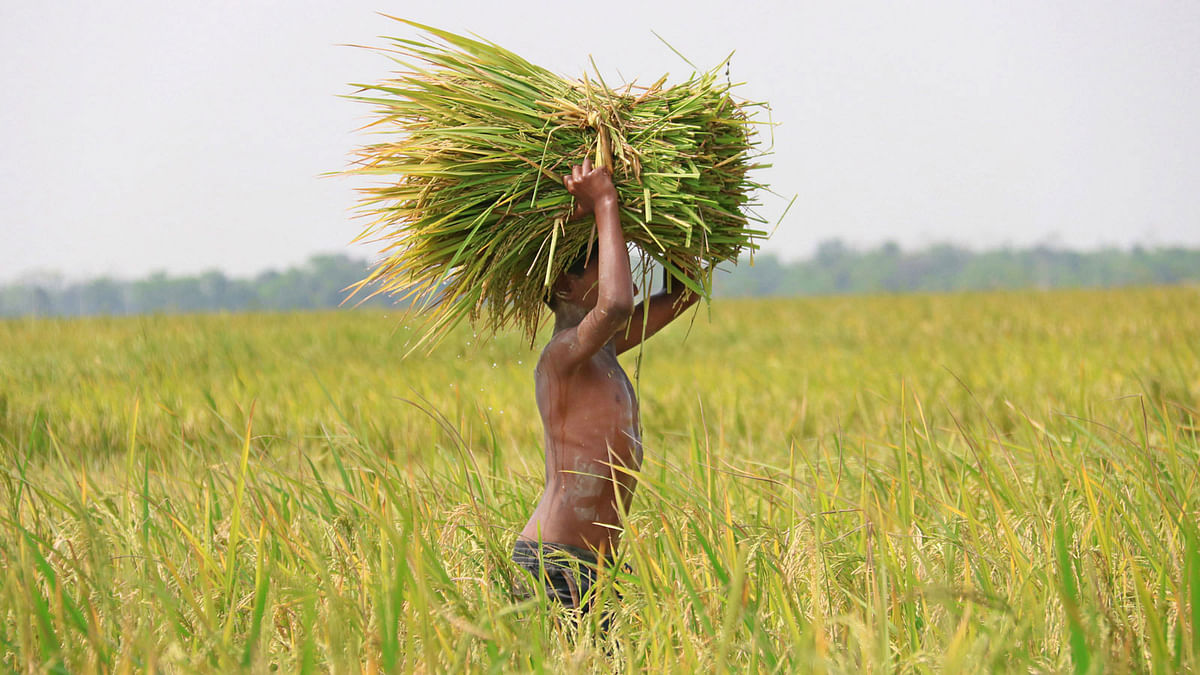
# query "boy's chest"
(599, 387)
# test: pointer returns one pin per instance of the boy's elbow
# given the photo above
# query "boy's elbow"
(623, 311)
(618, 309)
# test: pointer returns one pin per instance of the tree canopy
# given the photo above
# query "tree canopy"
(834, 268)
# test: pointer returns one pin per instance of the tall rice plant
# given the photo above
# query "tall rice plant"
(470, 209)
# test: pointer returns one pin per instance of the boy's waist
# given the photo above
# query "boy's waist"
(525, 549)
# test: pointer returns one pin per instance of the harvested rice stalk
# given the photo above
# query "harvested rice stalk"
(472, 214)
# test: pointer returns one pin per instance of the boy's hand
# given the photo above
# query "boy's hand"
(590, 187)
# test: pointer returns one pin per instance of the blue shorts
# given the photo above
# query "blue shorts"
(568, 572)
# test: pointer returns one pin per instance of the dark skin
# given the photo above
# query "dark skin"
(587, 403)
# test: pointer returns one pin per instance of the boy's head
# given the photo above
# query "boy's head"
(566, 287)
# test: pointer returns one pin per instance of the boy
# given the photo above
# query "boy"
(587, 403)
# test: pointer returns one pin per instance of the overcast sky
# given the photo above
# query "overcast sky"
(140, 135)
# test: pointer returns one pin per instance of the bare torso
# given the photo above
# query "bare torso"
(589, 411)
(590, 416)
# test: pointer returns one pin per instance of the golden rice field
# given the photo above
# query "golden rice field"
(1003, 482)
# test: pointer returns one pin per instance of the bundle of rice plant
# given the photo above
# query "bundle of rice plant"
(472, 213)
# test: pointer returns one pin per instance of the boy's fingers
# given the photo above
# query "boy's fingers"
(587, 164)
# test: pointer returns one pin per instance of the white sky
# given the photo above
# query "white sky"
(145, 135)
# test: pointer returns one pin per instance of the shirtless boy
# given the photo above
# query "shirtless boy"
(587, 403)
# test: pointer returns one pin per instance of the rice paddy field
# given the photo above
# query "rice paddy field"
(1000, 482)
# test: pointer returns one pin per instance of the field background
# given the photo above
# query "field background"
(927, 483)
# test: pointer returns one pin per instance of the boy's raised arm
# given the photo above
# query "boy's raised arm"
(593, 189)
(653, 313)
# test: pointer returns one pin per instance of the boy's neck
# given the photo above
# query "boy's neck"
(567, 316)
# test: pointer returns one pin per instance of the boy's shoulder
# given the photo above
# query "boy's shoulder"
(558, 348)
(559, 355)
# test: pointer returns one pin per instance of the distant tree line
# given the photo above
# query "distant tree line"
(318, 283)
(834, 268)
